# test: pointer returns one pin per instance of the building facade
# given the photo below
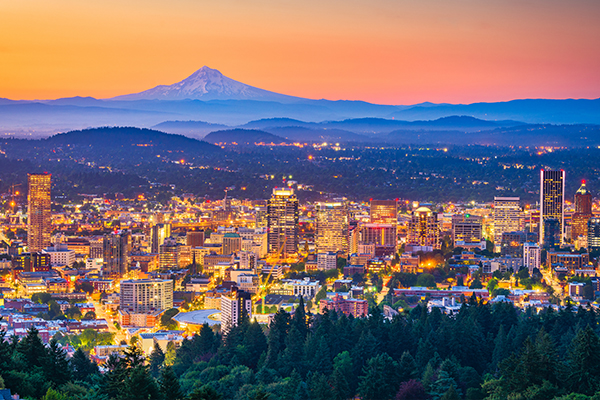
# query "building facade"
(232, 307)
(146, 295)
(507, 218)
(39, 213)
(424, 228)
(283, 220)
(552, 200)
(332, 226)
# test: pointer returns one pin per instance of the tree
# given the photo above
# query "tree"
(32, 348)
(140, 385)
(169, 384)
(411, 390)
(84, 286)
(476, 284)
(73, 312)
(89, 315)
(205, 392)
(41, 298)
(379, 380)
(81, 366)
(584, 362)
(167, 321)
(451, 394)
(321, 294)
(56, 365)
(157, 358)
(426, 280)
(170, 354)
(342, 374)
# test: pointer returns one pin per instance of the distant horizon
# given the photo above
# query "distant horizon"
(381, 52)
(83, 96)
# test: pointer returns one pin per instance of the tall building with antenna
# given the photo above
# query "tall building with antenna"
(39, 213)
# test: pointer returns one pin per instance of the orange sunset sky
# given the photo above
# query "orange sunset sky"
(383, 51)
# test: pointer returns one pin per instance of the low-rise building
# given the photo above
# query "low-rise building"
(354, 307)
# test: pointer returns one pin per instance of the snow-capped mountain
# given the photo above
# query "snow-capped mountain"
(206, 84)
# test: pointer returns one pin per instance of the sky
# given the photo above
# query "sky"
(381, 51)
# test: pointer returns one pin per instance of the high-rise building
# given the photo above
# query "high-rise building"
(158, 234)
(116, 248)
(583, 212)
(466, 228)
(531, 256)
(552, 199)
(232, 307)
(195, 238)
(384, 212)
(261, 219)
(39, 218)
(507, 218)
(146, 295)
(173, 255)
(382, 236)
(332, 226)
(232, 243)
(282, 221)
(552, 233)
(593, 234)
(424, 228)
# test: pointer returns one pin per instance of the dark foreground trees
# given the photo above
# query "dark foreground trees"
(482, 352)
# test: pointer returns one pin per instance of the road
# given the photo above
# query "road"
(101, 314)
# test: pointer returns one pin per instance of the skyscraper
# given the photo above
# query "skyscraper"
(116, 248)
(332, 226)
(384, 212)
(158, 234)
(424, 228)
(594, 234)
(507, 218)
(39, 218)
(282, 222)
(552, 199)
(583, 212)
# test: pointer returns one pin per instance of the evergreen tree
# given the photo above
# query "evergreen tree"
(293, 355)
(140, 385)
(341, 376)
(584, 362)
(81, 366)
(169, 384)
(380, 380)
(56, 365)
(407, 367)
(319, 387)
(32, 348)
(157, 358)
(113, 381)
(451, 394)
(299, 319)
(170, 354)
(256, 343)
(205, 392)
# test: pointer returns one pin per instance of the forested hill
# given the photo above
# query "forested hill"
(484, 351)
(244, 136)
(112, 137)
